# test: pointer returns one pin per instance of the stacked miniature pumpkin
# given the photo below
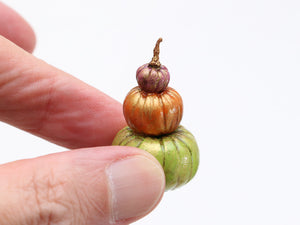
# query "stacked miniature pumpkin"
(153, 112)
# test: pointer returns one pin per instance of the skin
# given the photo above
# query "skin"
(71, 188)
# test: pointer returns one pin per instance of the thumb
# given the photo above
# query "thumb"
(103, 185)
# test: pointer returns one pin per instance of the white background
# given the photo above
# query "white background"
(236, 64)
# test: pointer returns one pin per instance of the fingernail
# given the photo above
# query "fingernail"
(136, 186)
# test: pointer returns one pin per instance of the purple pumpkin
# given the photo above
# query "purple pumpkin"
(153, 77)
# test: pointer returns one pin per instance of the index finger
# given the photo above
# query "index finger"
(52, 104)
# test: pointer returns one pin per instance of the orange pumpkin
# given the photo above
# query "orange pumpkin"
(153, 113)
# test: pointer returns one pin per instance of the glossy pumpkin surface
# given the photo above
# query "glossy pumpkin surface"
(152, 79)
(177, 153)
(153, 113)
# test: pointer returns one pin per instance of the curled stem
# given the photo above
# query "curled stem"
(155, 60)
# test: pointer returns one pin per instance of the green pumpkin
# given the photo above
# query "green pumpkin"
(177, 152)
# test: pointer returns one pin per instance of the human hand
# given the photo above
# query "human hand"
(91, 185)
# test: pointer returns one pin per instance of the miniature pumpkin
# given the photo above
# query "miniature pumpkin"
(153, 77)
(153, 113)
(177, 152)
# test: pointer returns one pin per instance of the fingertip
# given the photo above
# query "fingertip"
(136, 185)
(14, 28)
(29, 40)
(135, 181)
